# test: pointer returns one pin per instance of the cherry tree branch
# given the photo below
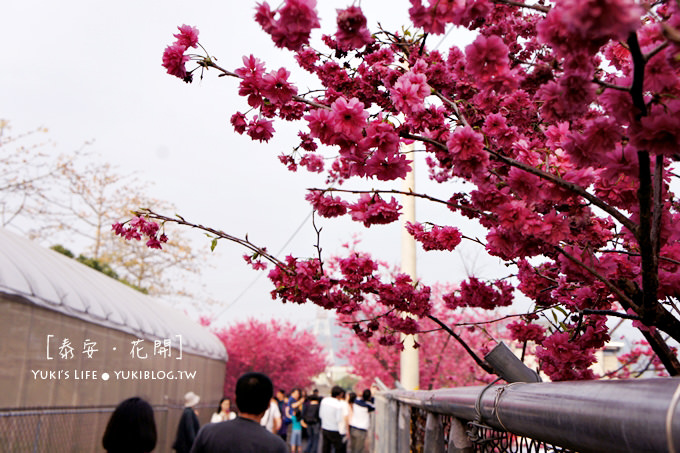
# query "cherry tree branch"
(662, 350)
(480, 362)
(614, 313)
(210, 63)
(318, 242)
(453, 105)
(621, 295)
(619, 216)
(245, 242)
(610, 85)
(543, 9)
(402, 192)
(503, 318)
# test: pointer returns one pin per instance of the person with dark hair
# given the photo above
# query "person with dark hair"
(331, 413)
(223, 412)
(296, 432)
(244, 434)
(188, 425)
(282, 400)
(131, 428)
(310, 417)
(360, 421)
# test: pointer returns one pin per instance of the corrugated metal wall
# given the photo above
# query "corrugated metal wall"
(32, 375)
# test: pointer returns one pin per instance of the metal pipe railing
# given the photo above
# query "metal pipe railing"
(638, 415)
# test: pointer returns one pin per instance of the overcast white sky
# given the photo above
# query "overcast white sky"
(91, 71)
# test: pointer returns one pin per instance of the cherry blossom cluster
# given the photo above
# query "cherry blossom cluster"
(562, 120)
(175, 57)
(638, 361)
(138, 228)
(437, 238)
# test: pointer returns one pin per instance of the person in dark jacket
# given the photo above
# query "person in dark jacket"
(244, 434)
(312, 423)
(188, 424)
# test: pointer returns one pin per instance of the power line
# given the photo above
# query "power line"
(259, 274)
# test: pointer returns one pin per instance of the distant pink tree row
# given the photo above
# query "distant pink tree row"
(563, 120)
(289, 355)
(443, 361)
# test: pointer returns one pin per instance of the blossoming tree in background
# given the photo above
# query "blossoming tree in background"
(443, 361)
(289, 355)
(561, 119)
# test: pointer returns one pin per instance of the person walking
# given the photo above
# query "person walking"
(285, 418)
(244, 434)
(131, 428)
(272, 417)
(360, 422)
(188, 424)
(312, 423)
(296, 432)
(331, 413)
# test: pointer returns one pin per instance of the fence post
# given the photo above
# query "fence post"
(36, 438)
(434, 433)
(404, 429)
(385, 435)
(459, 442)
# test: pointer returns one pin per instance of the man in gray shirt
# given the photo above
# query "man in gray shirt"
(244, 434)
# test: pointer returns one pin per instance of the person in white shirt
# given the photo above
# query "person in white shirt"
(223, 412)
(332, 415)
(360, 421)
(272, 417)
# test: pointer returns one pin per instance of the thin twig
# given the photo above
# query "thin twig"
(318, 241)
(402, 192)
(614, 313)
(453, 105)
(543, 9)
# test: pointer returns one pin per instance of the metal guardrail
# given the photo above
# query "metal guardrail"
(640, 415)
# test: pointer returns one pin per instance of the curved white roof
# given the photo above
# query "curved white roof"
(56, 282)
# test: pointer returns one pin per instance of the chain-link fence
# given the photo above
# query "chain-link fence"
(480, 438)
(71, 429)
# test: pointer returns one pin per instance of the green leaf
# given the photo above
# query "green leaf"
(562, 310)
(213, 244)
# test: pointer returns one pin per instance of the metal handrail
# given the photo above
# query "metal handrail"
(638, 415)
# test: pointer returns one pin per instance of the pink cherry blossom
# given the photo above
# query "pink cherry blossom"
(352, 31)
(659, 133)
(239, 121)
(313, 162)
(348, 117)
(276, 88)
(373, 210)
(260, 129)
(296, 20)
(467, 151)
(410, 91)
(325, 205)
(187, 36)
(437, 238)
(174, 60)
(486, 57)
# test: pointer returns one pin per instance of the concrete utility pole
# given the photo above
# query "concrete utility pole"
(409, 374)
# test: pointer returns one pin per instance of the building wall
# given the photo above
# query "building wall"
(32, 374)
